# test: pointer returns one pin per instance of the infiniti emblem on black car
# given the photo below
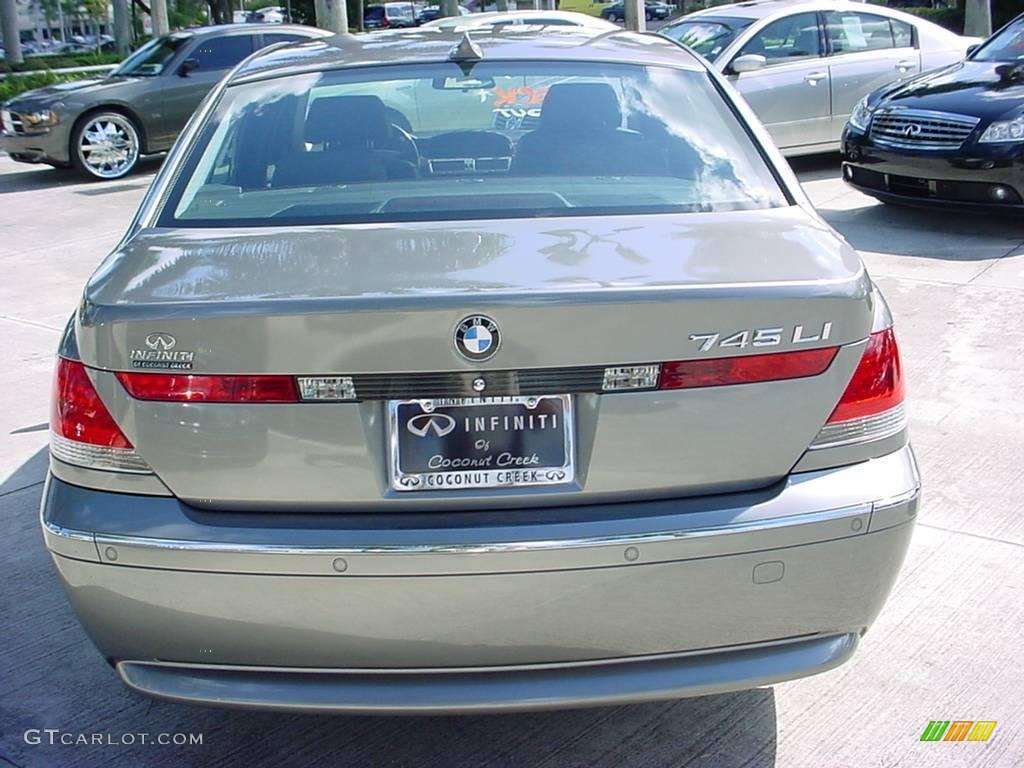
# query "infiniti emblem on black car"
(477, 337)
(912, 131)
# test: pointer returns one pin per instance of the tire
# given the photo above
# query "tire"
(649, 17)
(105, 145)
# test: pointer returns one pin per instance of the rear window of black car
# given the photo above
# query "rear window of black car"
(431, 143)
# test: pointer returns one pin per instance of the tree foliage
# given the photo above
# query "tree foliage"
(221, 11)
(95, 10)
(186, 13)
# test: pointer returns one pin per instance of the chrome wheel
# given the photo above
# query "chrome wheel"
(107, 146)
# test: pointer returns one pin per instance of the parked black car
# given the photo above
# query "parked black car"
(953, 137)
(653, 10)
(918, 4)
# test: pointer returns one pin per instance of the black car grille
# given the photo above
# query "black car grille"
(13, 123)
(920, 129)
(539, 381)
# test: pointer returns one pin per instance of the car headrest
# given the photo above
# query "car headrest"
(580, 107)
(346, 119)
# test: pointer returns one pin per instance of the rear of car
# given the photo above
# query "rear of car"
(953, 138)
(418, 405)
(660, 10)
(389, 16)
(652, 11)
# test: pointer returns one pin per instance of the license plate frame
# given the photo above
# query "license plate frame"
(520, 474)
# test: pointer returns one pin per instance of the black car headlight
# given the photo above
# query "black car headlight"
(860, 118)
(1004, 131)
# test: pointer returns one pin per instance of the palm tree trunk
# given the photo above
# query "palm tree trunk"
(978, 18)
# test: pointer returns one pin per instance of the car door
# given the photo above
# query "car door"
(791, 93)
(207, 61)
(866, 51)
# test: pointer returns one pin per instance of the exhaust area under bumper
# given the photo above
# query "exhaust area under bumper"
(622, 603)
(488, 690)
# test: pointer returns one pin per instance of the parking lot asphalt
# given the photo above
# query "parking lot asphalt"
(946, 647)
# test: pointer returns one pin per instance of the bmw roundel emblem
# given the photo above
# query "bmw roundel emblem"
(477, 337)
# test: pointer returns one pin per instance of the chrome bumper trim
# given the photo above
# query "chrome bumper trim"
(809, 518)
(67, 533)
(498, 557)
(818, 507)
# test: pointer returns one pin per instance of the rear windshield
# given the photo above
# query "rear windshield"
(708, 37)
(508, 140)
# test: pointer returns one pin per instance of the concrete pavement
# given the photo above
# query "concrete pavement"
(946, 646)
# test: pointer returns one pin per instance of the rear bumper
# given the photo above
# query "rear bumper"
(625, 602)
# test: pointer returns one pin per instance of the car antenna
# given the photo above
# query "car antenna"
(466, 53)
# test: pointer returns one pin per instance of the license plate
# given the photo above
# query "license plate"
(494, 442)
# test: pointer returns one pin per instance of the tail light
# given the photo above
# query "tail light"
(871, 408)
(719, 371)
(190, 388)
(82, 431)
(748, 369)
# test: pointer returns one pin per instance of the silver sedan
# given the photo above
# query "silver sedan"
(803, 66)
(447, 373)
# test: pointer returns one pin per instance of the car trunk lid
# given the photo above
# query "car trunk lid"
(382, 303)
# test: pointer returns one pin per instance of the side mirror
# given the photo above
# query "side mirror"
(188, 65)
(972, 48)
(751, 62)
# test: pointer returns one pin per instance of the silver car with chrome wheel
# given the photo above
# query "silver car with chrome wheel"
(456, 373)
(102, 126)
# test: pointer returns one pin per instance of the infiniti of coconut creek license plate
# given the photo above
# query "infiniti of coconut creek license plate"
(493, 442)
